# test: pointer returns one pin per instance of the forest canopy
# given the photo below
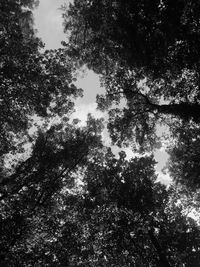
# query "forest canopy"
(66, 198)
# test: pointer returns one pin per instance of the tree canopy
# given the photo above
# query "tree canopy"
(30, 79)
(158, 37)
(146, 52)
(66, 199)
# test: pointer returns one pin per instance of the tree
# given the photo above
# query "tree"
(71, 201)
(157, 36)
(183, 163)
(118, 216)
(135, 220)
(147, 52)
(30, 80)
(32, 196)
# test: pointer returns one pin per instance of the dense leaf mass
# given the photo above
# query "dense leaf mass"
(147, 52)
(66, 197)
(158, 36)
(29, 79)
(184, 157)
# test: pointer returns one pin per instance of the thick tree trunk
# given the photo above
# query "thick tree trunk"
(162, 257)
(184, 111)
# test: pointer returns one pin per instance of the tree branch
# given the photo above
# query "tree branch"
(163, 259)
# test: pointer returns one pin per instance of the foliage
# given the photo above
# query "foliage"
(156, 36)
(146, 52)
(30, 196)
(69, 201)
(120, 217)
(29, 79)
(137, 220)
(183, 164)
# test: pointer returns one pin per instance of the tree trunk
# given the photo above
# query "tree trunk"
(184, 111)
(162, 257)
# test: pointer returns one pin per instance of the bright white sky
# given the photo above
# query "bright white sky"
(48, 22)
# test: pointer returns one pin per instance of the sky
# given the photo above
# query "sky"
(49, 23)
